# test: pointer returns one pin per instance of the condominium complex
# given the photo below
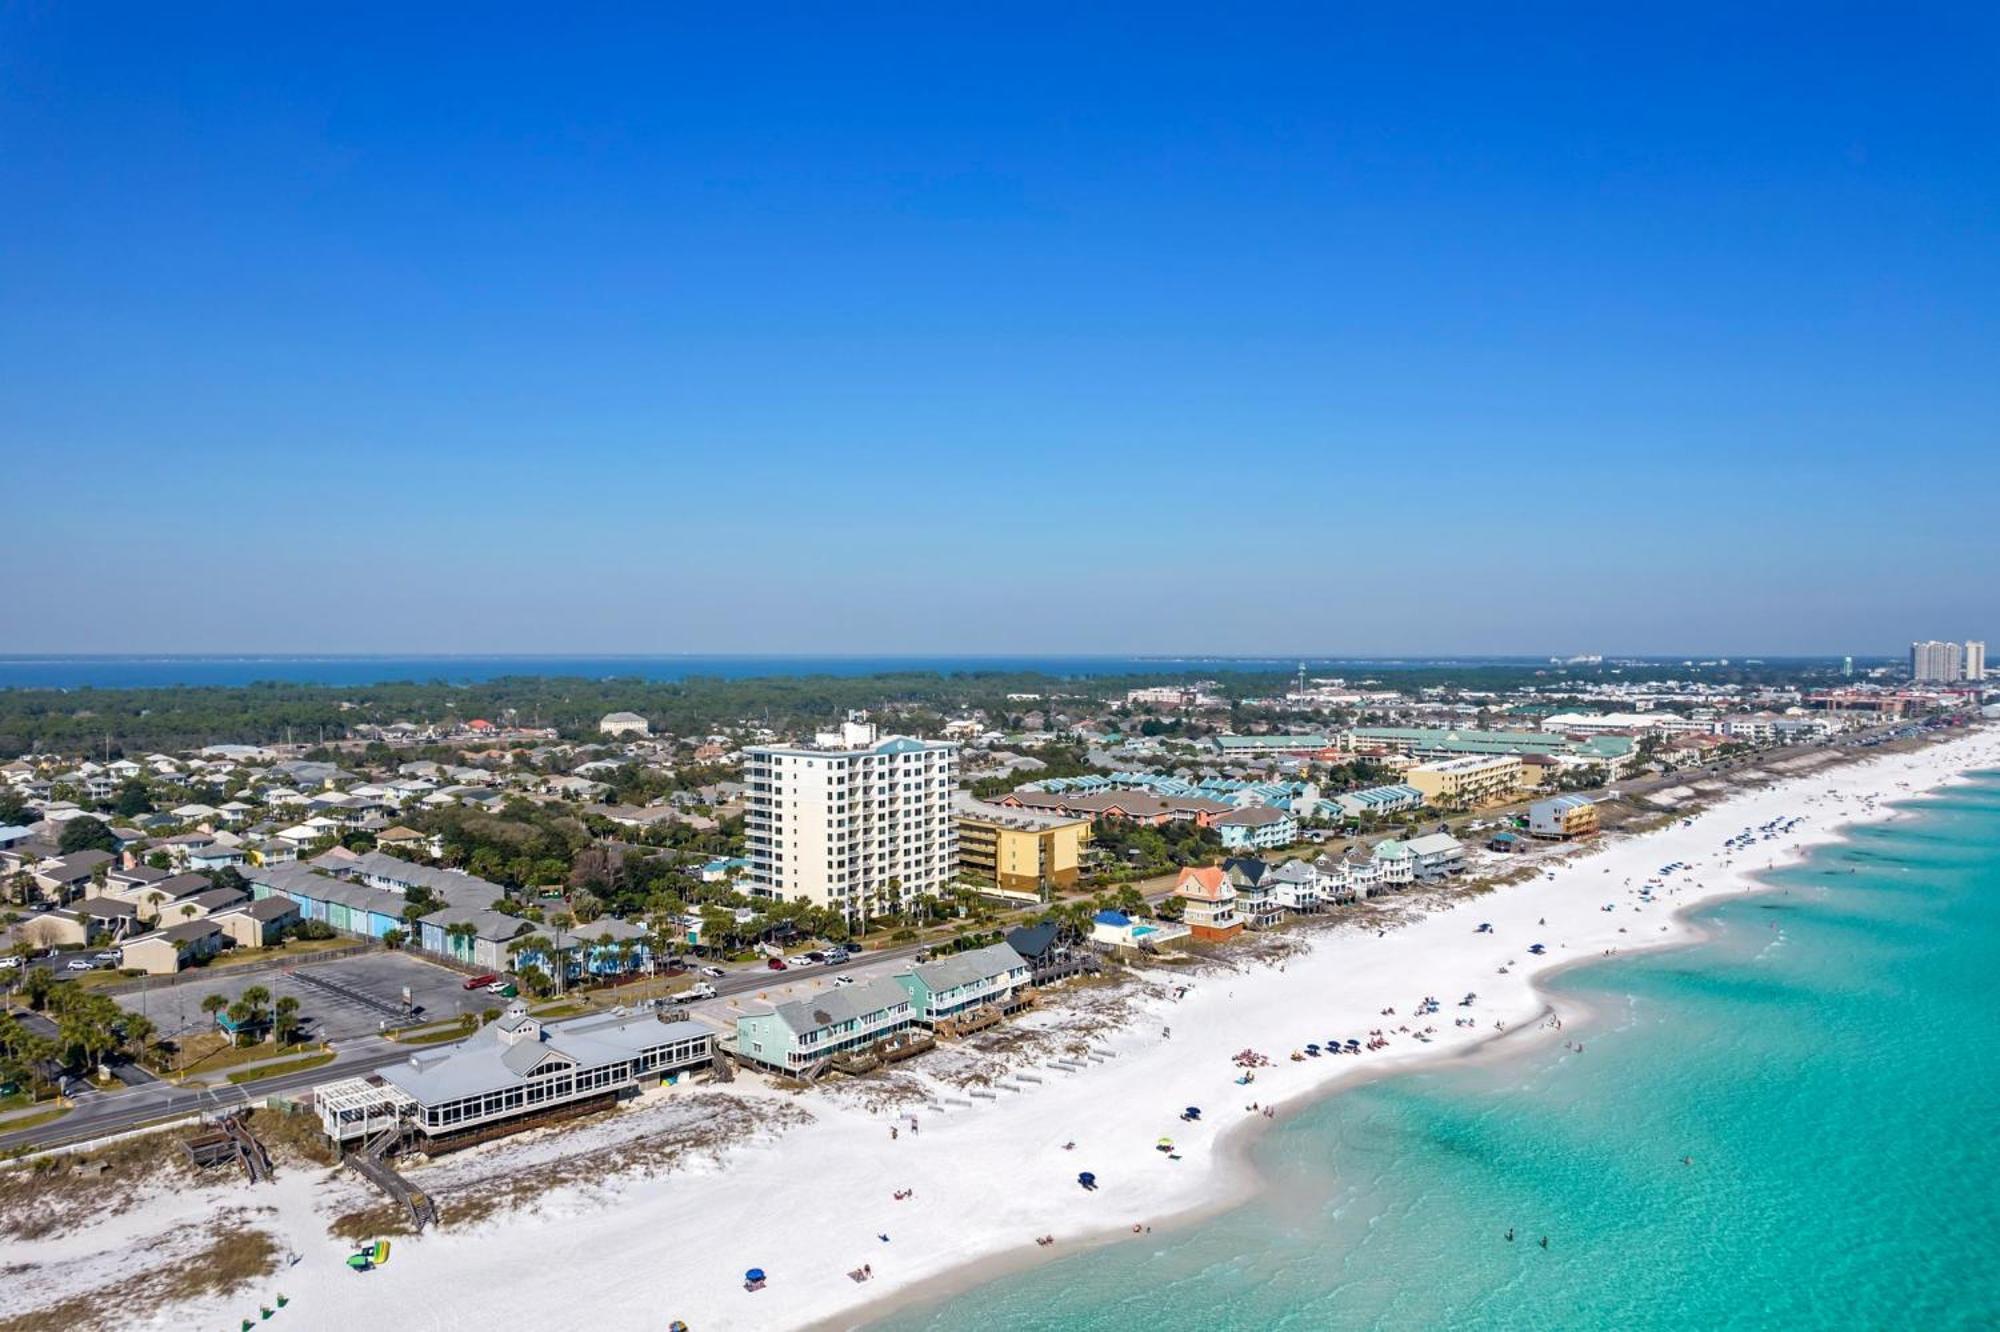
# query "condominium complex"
(1932, 662)
(852, 822)
(1468, 780)
(1022, 850)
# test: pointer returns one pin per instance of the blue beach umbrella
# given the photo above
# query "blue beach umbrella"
(754, 1274)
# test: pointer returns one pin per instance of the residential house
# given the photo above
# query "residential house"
(166, 951)
(258, 924)
(800, 1036)
(1257, 903)
(995, 977)
(1562, 818)
(1209, 902)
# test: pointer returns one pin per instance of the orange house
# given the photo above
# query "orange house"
(1210, 899)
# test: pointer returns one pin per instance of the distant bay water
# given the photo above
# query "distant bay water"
(1829, 1061)
(143, 672)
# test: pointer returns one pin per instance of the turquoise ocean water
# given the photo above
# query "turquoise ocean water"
(1830, 1061)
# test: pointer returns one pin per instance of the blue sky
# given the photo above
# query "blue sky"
(1329, 328)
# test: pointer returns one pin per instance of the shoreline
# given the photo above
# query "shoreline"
(807, 1190)
(1235, 1147)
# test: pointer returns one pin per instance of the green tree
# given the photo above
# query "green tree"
(86, 834)
(133, 800)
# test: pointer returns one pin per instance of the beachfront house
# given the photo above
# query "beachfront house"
(801, 1036)
(1394, 864)
(1209, 903)
(1562, 818)
(981, 983)
(1297, 887)
(1435, 855)
(1257, 904)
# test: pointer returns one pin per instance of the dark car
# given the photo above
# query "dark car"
(777, 964)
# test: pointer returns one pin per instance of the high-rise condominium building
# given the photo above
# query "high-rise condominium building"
(1932, 662)
(852, 822)
(1975, 659)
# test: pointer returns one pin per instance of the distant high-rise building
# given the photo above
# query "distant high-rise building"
(1847, 667)
(1975, 659)
(1932, 662)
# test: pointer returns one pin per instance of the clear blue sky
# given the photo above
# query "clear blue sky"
(1334, 328)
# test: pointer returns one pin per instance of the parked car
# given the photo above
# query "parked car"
(502, 988)
(815, 957)
(9, 962)
(481, 982)
(843, 980)
(108, 958)
(836, 957)
(777, 964)
(714, 973)
(700, 990)
(79, 964)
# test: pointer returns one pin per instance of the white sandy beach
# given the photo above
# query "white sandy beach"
(808, 1203)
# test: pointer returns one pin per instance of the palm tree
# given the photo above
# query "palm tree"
(138, 1029)
(214, 1004)
(285, 1025)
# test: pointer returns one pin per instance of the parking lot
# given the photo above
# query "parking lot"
(352, 996)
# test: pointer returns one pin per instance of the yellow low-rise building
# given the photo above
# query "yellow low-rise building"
(1021, 850)
(1468, 782)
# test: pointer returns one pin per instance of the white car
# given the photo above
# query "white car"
(843, 980)
(714, 973)
(79, 964)
(9, 962)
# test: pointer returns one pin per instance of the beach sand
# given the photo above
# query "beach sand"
(809, 1202)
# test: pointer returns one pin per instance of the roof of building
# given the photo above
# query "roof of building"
(965, 806)
(841, 1004)
(1031, 941)
(492, 926)
(968, 968)
(1253, 816)
(453, 887)
(264, 909)
(1433, 844)
(1204, 881)
(485, 1061)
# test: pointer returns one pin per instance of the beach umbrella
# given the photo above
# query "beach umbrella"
(1165, 1142)
(1086, 1179)
(754, 1274)
(1194, 1112)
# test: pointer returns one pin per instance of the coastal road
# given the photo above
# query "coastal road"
(100, 1114)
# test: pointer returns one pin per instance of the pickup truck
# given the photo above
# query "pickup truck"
(699, 990)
